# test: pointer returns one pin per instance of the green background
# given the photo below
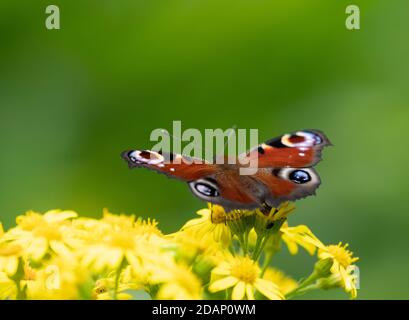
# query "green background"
(72, 99)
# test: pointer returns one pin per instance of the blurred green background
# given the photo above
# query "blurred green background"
(72, 99)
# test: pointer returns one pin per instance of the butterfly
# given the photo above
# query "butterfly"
(285, 172)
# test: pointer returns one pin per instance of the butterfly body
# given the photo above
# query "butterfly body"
(284, 171)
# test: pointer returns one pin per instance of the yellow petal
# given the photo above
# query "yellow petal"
(268, 289)
(193, 222)
(221, 271)
(38, 248)
(335, 268)
(204, 212)
(61, 249)
(115, 258)
(249, 292)
(291, 245)
(124, 296)
(99, 263)
(89, 257)
(54, 216)
(223, 284)
(238, 291)
(10, 265)
(310, 248)
(345, 279)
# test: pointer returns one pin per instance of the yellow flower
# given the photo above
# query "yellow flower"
(300, 235)
(119, 239)
(7, 287)
(192, 248)
(276, 214)
(177, 282)
(9, 258)
(59, 256)
(111, 251)
(342, 265)
(212, 222)
(284, 282)
(104, 288)
(58, 279)
(31, 219)
(118, 222)
(243, 274)
(283, 210)
(37, 234)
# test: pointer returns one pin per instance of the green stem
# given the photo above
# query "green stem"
(243, 244)
(21, 292)
(117, 277)
(18, 276)
(257, 247)
(263, 243)
(246, 242)
(267, 259)
(304, 286)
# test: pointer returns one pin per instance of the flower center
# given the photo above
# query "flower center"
(245, 270)
(343, 256)
(29, 273)
(147, 227)
(29, 221)
(47, 231)
(122, 240)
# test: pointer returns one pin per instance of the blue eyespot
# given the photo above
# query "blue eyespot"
(299, 176)
(206, 189)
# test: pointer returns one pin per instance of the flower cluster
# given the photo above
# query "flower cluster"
(218, 255)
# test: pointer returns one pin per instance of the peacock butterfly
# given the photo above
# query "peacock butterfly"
(285, 172)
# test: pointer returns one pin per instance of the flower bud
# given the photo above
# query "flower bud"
(323, 267)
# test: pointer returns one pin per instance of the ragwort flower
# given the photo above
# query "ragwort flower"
(243, 275)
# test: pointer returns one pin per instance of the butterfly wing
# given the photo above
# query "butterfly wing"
(228, 189)
(212, 183)
(173, 165)
(284, 172)
(300, 149)
(287, 184)
(270, 186)
(285, 165)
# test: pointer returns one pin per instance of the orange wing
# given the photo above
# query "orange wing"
(299, 149)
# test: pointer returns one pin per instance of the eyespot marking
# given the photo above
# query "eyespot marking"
(305, 176)
(300, 139)
(299, 176)
(145, 156)
(294, 138)
(205, 188)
